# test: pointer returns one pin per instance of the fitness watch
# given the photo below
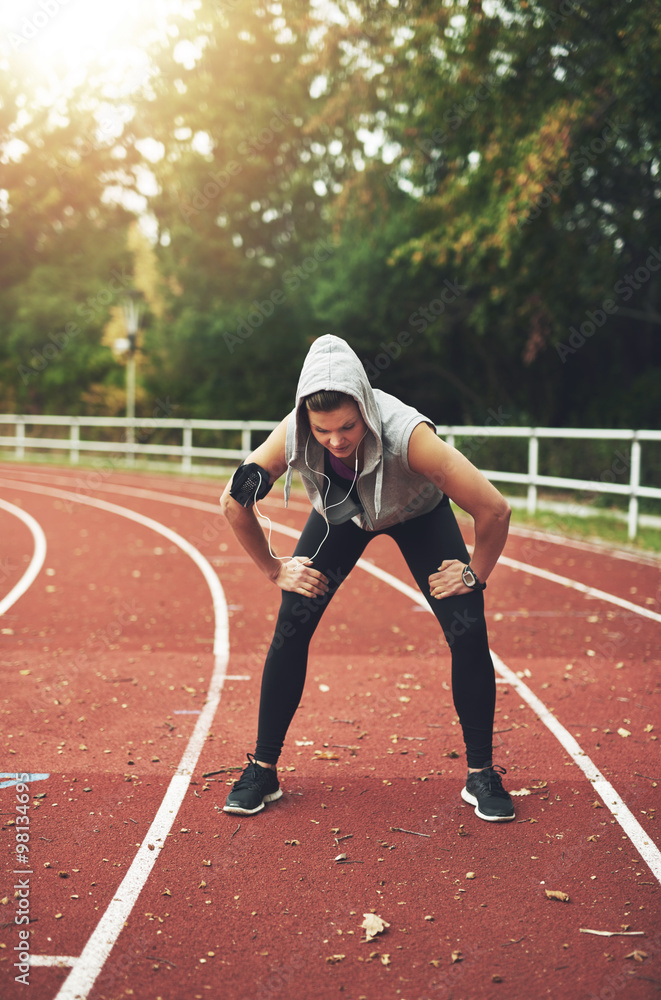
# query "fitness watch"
(469, 578)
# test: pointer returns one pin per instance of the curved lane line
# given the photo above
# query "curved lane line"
(641, 840)
(565, 581)
(547, 537)
(38, 556)
(102, 940)
(639, 837)
(645, 559)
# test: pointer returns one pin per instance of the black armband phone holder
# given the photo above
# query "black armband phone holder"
(249, 483)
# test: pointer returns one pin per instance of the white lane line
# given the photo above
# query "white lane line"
(78, 484)
(565, 581)
(56, 961)
(546, 537)
(635, 832)
(36, 562)
(549, 538)
(87, 967)
(641, 840)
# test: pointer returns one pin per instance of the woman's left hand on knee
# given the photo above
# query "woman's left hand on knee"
(447, 581)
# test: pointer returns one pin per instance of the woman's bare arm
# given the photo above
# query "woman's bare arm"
(469, 489)
(295, 574)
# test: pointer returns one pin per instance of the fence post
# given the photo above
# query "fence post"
(74, 437)
(130, 408)
(634, 483)
(533, 468)
(20, 437)
(187, 454)
(246, 437)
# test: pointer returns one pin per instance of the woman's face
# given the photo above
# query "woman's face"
(340, 431)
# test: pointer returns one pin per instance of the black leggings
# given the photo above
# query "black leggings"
(424, 541)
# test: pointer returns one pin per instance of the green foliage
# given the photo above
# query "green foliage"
(63, 259)
(468, 192)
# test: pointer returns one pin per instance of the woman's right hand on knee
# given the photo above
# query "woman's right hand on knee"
(298, 576)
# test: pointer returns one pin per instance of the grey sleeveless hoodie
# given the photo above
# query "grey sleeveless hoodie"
(389, 491)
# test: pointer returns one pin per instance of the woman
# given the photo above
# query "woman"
(371, 465)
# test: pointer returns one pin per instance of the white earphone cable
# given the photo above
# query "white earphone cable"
(325, 508)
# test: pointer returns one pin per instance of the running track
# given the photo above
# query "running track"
(133, 629)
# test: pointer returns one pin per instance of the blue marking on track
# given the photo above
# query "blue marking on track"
(20, 777)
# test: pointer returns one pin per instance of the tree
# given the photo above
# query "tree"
(62, 253)
(239, 208)
(527, 137)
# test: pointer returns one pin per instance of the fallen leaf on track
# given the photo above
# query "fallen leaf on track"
(588, 930)
(457, 957)
(333, 959)
(638, 956)
(557, 894)
(373, 925)
(325, 755)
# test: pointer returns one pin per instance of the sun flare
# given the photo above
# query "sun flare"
(74, 38)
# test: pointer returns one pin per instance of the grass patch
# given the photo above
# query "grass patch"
(596, 528)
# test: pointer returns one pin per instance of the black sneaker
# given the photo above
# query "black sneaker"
(256, 786)
(484, 790)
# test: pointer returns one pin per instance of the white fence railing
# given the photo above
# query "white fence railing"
(137, 433)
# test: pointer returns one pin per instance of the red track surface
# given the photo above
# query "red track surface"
(110, 651)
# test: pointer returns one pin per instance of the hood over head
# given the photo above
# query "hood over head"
(331, 364)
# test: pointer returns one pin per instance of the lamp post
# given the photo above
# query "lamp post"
(131, 310)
